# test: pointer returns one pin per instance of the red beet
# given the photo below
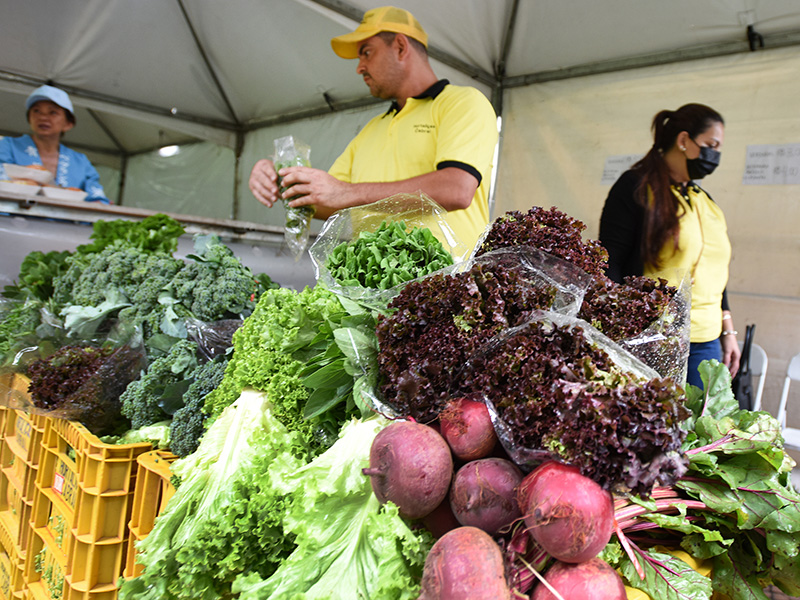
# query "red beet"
(590, 580)
(483, 494)
(441, 520)
(410, 465)
(570, 515)
(468, 429)
(464, 564)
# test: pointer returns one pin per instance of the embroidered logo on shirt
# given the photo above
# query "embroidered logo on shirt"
(424, 128)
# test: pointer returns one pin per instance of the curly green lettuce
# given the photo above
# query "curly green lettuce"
(226, 516)
(348, 545)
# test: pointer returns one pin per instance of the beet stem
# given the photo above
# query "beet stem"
(629, 551)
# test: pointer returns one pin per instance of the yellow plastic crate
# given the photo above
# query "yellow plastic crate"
(84, 494)
(20, 452)
(45, 568)
(12, 579)
(153, 491)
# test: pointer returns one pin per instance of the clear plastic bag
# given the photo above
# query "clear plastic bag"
(504, 286)
(664, 345)
(290, 152)
(345, 226)
(212, 339)
(618, 426)
(63, 385)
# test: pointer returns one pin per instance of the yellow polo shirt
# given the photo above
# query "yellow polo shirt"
(446, 126)
(705, 251)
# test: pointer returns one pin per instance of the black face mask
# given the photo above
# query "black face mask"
(704, 164)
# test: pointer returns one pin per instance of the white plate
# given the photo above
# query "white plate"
(18, 172)
(63, 194)
(19, 188)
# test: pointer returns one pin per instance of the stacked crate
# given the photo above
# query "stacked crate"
(71, 506)
(20, 457)
(84, 493)
(153, 490)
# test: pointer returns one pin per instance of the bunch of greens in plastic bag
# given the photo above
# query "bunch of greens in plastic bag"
(290, 152)
(369, 253)
(387, 257)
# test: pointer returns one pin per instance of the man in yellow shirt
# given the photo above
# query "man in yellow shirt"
(436, 137)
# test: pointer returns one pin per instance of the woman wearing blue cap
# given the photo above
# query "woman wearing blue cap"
(50, 115)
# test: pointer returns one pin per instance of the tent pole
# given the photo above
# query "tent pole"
(123, 171)
(237, 177)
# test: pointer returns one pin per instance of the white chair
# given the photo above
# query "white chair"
(791, 435)
(758, 368)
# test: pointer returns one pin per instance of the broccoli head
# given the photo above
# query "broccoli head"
(153, 397)
(188, 423)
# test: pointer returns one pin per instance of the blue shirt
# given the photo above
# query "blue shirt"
(74, 169)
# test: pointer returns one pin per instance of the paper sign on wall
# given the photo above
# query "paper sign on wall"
(772, 164)
(617, 165)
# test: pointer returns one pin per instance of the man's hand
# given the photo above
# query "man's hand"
(307, 186)
(264, 182)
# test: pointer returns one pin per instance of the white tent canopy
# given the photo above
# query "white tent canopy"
(148, 73)
(576, 82)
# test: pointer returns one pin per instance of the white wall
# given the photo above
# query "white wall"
(557, 136)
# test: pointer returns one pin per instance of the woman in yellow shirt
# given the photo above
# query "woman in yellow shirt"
(656, 219)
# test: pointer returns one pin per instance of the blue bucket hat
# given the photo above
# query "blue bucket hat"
(53, 94)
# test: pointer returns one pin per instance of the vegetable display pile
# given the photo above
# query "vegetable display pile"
(481, 436)
(387, 257)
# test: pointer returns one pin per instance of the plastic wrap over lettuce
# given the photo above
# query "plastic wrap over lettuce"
(649, 317)
(559, 389)
(437, 323)
(367, 253)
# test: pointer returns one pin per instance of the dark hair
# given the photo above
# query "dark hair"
(661, 221)
(388, 38)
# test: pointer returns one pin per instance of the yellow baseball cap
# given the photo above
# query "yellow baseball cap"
(385, 18)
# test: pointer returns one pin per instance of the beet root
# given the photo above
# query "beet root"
(568, 514)
(468, 429)
(410, 465)
(464, 564)
(441, 519)
(483, 494)
(593, 579)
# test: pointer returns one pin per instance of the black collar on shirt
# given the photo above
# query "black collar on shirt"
(431, 92)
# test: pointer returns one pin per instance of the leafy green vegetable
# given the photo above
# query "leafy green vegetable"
(735, 505)
(18, 323)
(153, 397)
(157, 234)
(226, 516)
(387, 257)
(667, 578)
(270, 351)
(344, 369)
(36, 274)
(156, 434)
(188, 422)
(348, 546)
